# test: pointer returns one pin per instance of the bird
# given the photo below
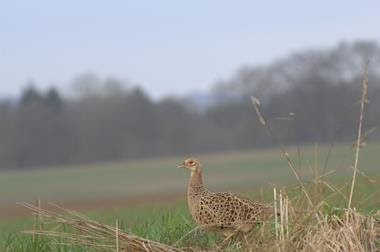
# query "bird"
(223, 212)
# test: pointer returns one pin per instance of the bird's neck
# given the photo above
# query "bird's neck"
(195, 186)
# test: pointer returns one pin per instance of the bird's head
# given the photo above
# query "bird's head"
(191, 164)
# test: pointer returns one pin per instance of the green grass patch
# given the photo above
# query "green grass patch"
(245, 171)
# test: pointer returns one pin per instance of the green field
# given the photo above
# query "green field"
(148, 196)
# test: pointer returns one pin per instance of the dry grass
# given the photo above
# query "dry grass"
(87, 232)
(324, 228)
(357, 233)
(363, 100)
(299, 227)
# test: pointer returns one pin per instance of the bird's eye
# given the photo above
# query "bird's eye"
(191, 162)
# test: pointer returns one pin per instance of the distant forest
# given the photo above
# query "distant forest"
(309, 96)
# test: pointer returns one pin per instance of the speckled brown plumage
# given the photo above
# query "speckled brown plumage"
(223, 212)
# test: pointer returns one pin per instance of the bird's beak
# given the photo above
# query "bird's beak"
(181, 165)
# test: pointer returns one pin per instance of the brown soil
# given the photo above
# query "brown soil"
(13, 211)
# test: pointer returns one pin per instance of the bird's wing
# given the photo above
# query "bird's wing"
(228, 208)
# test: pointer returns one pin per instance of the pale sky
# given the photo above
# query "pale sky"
(167, 46)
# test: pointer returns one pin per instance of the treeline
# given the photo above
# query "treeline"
(309, 96)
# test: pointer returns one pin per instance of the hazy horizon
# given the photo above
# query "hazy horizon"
(169, 48)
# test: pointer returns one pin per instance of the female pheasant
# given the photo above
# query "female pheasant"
(223, 212)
